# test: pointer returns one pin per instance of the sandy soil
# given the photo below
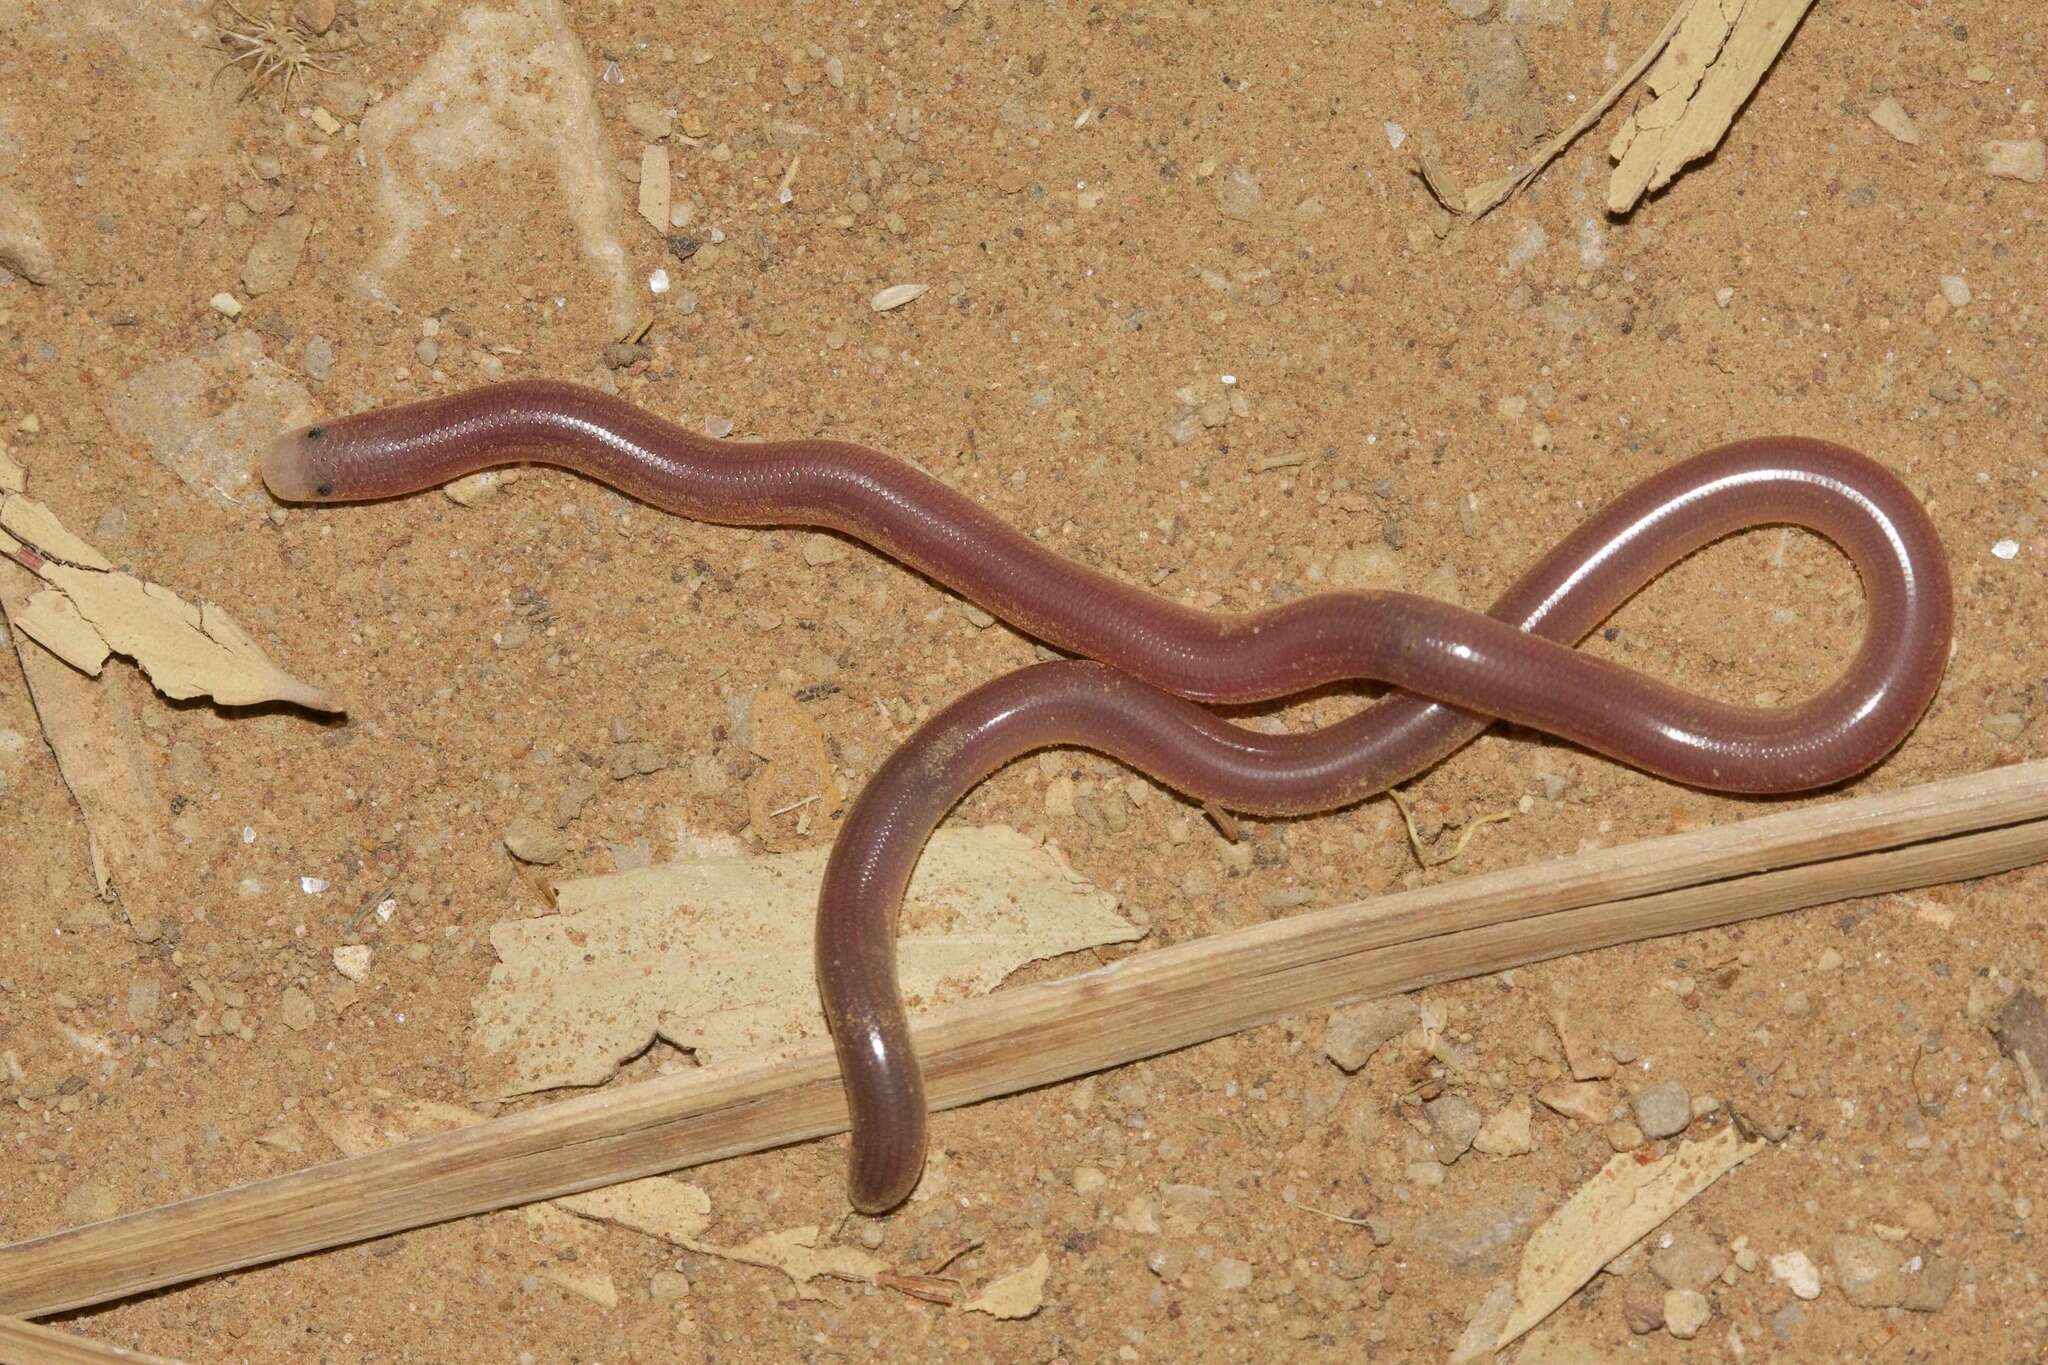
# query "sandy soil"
(1410, 401)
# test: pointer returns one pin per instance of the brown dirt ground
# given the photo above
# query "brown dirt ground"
(1387, 371)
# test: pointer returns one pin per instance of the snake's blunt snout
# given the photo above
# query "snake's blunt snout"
(293, 466)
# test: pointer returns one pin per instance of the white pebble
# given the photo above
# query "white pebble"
(2007, 549)
(658, 282)
(313, 886)
(895, 296)
(1797, 1273)
(1956, 290)
(1396, 135)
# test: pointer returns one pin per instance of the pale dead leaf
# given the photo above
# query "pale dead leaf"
(12, 477)
(678, 1212)
(37, 525)
(52, 621)
(1721, 51)
(796, 1253)
(186, 651)
(660, 1206)
(1617, 1208)
(1482, 198)
(1018, 1294)
(1707, 59)
(93, 728)
(716, 955)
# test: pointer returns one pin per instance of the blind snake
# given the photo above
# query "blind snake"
(1148, 661)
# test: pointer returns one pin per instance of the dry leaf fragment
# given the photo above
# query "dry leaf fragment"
(715, 954)
(1623, 1203)
(796, 1253)
(12, 477)
(654, 187)
(1891, 116)
(1018, 1294)
(90, 610)
(36, 525)
(1706, 74)
(660, 1206)
(53, 622)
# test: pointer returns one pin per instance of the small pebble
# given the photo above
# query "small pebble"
(226, 304)
(352, 960)
(530, 841)
(1642, 1306)
(1689, 1259)
(1685, 1312)
(1624, 1136)
(1956, 290)
(1869, 1272)
(1797, 1273)
(296, 1009)
(2006, 549)
(1585, 1101)
(145, 998)
(1455, 1121)
(1355, 1034)
(1662, 1110)
(319, 358)
(2017, 160)
(1507, 1132)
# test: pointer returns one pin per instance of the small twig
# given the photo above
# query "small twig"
(939, 1289)
(1333, 1217)
(370, 904)
(944, 1261)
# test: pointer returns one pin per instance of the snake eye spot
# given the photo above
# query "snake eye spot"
(314, 433)
(325, 490)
